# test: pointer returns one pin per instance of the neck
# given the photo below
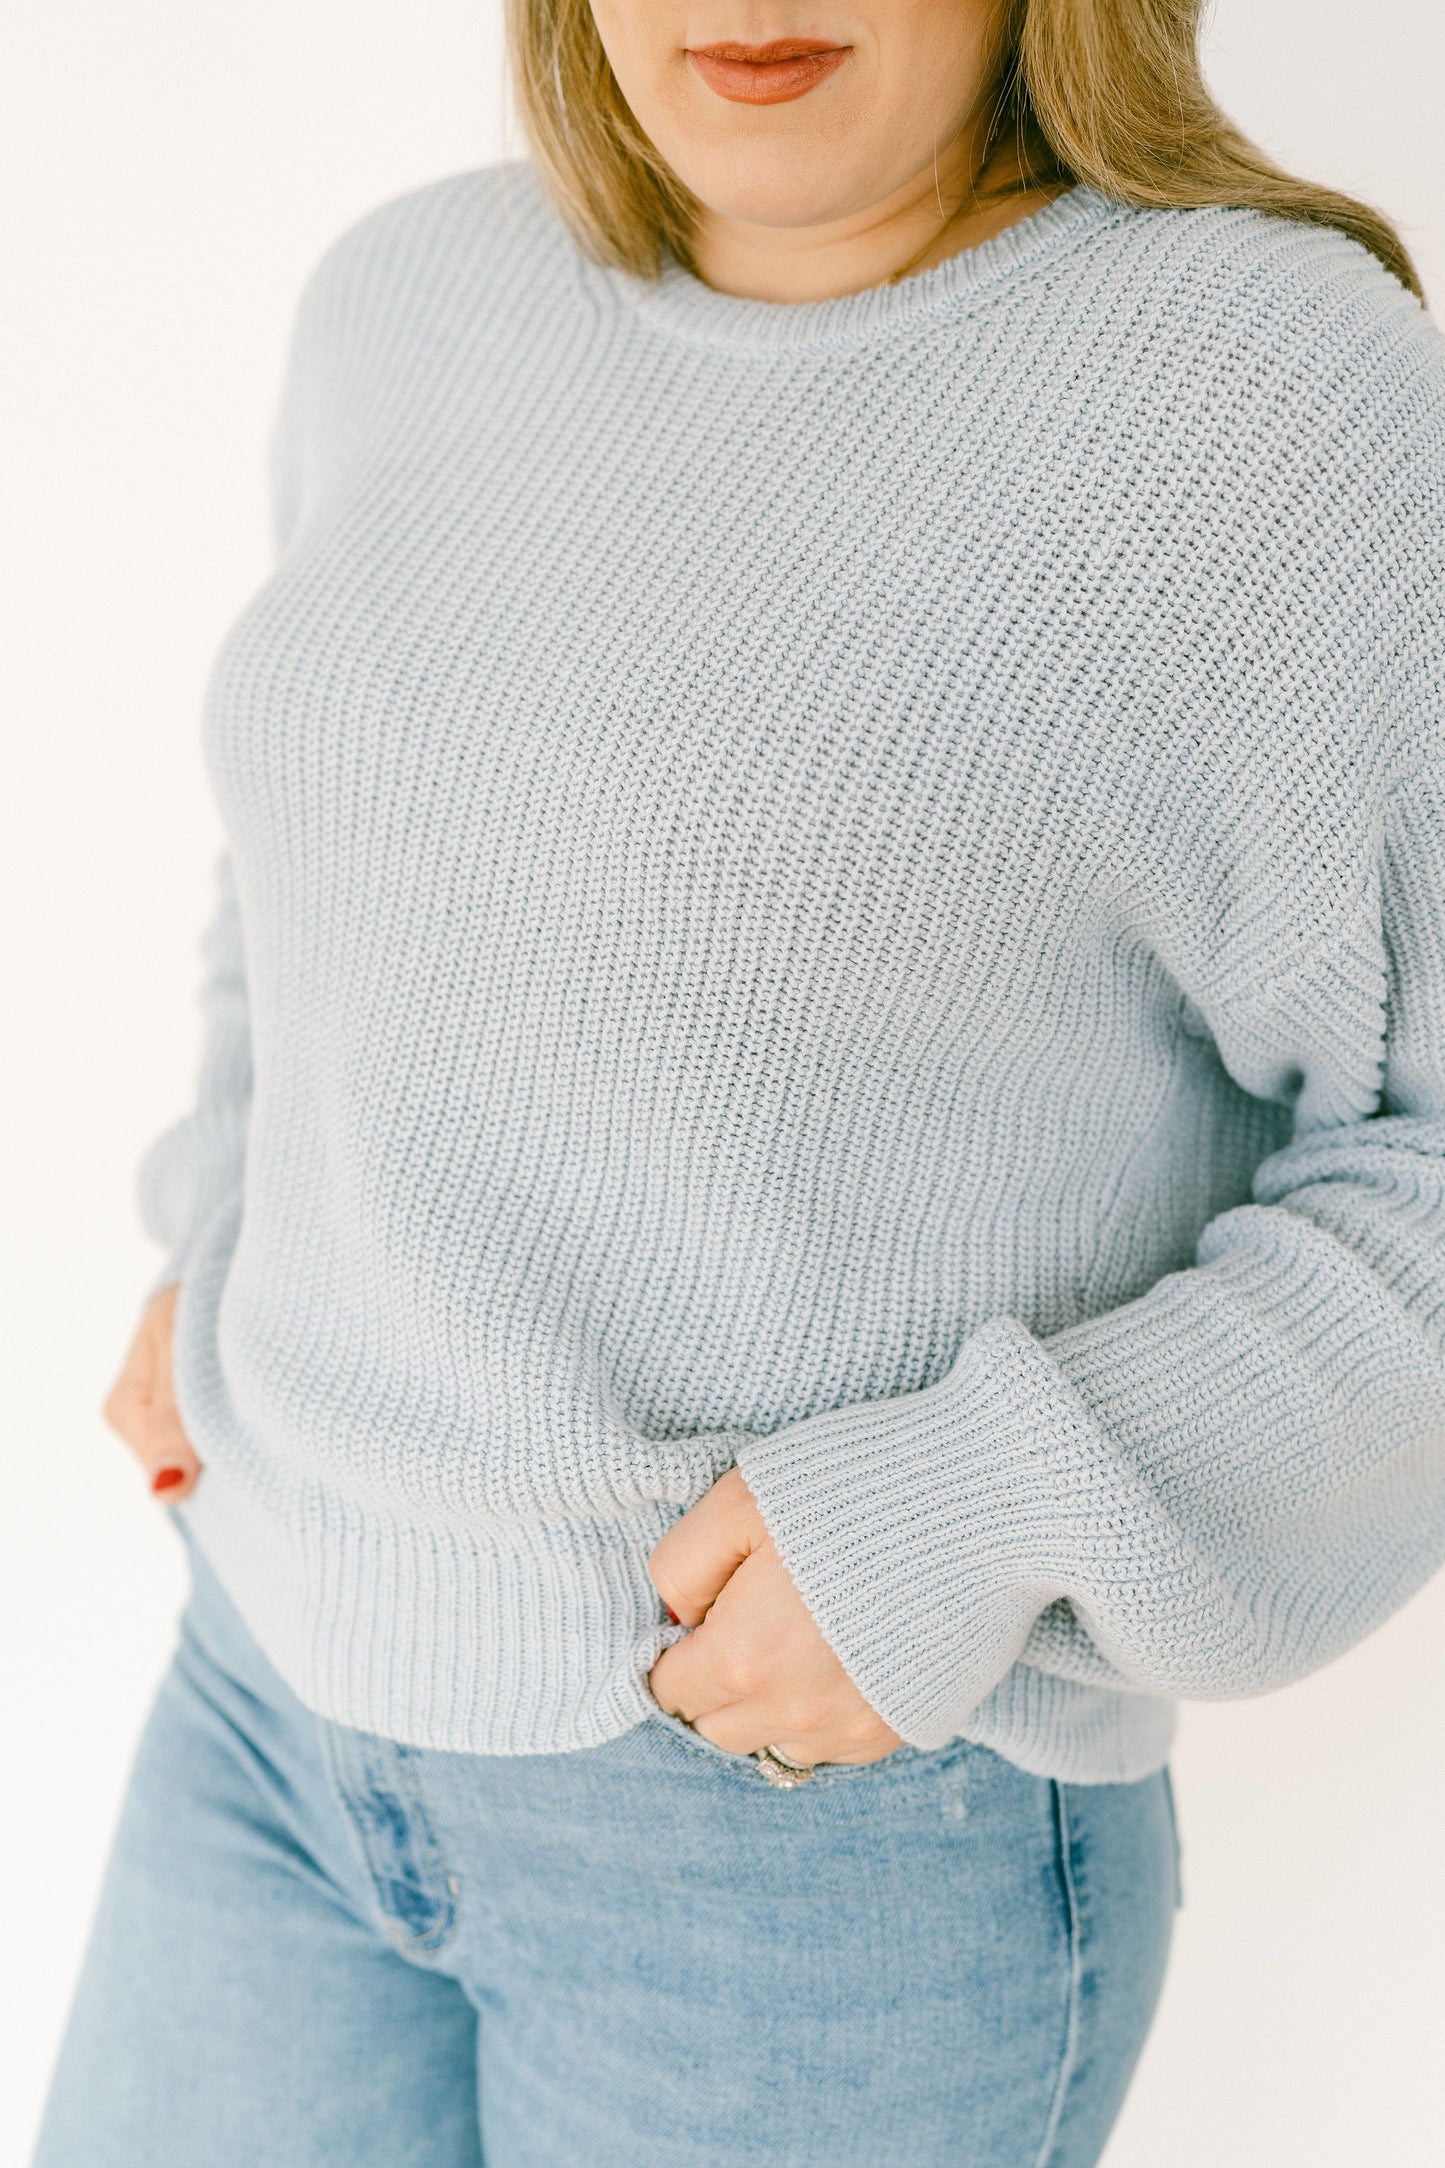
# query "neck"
(947, 207)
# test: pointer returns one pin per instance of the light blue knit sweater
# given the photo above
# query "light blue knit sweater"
(854, 888)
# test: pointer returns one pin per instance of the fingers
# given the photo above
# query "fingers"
(702, 1550)
(842, 1736)
(756, 1650)
(141, 1406)
(699, 1675)
(758, 1672)
(842, 1730)
(747, 1726)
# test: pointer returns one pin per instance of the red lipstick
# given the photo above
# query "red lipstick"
(766, 74)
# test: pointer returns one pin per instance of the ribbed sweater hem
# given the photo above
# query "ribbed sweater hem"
(439, 1636)
(379, 1627)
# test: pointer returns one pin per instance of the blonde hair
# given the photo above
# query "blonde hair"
(1108, 92)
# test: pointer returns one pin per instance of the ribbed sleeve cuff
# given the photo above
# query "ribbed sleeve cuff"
(927, 1533)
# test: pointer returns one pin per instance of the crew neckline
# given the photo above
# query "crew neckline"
(680, 302)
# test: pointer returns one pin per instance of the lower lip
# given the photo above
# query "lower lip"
(767, 82)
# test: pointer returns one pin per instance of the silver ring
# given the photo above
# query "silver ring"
(784, 1774)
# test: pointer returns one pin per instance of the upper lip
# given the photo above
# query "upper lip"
(775, 49)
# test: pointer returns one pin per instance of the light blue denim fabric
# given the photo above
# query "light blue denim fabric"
(317, 1946)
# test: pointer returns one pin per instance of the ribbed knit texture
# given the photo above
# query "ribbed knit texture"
(855, 888)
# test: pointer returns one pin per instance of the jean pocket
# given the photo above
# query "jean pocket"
(680, 1729)
(763, 1769)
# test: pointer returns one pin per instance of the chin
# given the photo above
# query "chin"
(795, 190)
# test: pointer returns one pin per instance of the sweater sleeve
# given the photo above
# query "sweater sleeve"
(195, 1168)
(1216, 1487)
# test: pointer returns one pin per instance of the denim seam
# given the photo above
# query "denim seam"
(1069, 2058)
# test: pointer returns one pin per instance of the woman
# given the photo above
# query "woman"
(836, 901)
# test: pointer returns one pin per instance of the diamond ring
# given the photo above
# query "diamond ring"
(784, 1774)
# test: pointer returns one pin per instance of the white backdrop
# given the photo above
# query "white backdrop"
(171, 170)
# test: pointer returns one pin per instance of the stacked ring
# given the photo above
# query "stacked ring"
(784, 1774)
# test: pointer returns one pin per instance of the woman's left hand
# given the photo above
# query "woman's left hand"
(755, 1671)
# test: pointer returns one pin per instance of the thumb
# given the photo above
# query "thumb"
(701, 1552)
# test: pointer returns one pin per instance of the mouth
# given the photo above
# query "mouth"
(766, 74)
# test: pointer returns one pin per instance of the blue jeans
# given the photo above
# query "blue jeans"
(317, 1946)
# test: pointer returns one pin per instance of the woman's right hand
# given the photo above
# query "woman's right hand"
(141, 1404)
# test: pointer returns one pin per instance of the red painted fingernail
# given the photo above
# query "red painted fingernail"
(667, 1607)
(166, 1479)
